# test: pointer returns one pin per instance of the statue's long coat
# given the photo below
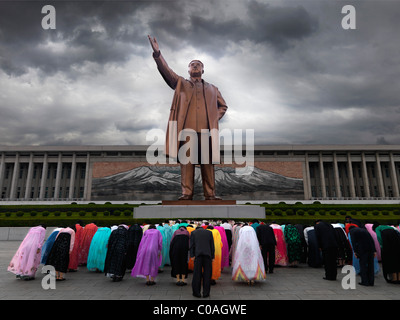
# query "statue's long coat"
(184, 89)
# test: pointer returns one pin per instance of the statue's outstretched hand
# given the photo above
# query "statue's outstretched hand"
(154, 44)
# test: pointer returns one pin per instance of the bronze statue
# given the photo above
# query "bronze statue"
(196, 108)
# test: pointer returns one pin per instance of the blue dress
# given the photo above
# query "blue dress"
(48, 245)
(166, 232)
(98, 249)
(356, 262)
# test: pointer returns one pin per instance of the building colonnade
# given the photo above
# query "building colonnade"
(329, 172)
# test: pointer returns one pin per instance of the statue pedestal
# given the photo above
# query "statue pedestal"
(201, 209)
(198, 202)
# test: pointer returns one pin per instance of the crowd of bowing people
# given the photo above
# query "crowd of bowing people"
(250, 249)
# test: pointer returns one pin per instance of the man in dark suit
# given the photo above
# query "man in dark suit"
(267, 241)
(203, 250)
(364, 250)
(328, 245)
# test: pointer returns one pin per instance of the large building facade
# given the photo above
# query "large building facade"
(123, 173)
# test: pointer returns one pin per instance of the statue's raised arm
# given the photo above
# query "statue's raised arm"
(154, 44)
(170, 77)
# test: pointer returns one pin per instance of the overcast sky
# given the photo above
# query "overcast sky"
(287, 69)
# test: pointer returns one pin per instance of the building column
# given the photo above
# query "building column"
(351, 177)
(14, 180)
(307, 179)
(86, 191)
(365, 175)
(72, 178)
(2, 171)
(336, 176)
(29, 178)
(322, 175)
(58, 177)
(381, 186)
(393, 177)
(44, 177)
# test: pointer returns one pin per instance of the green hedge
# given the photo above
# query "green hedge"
(108, 214)
(308, 213)
(63, 215)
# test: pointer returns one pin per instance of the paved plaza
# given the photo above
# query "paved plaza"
(301, 283)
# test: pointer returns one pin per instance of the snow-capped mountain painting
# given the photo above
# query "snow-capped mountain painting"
(163, 183)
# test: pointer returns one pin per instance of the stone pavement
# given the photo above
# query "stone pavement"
(301, 283)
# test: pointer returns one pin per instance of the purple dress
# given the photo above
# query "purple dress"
(149, 254)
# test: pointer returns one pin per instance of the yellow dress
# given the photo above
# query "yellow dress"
(216, 265)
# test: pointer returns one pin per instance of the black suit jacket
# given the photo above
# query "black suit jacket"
(325, 235)
(362, 241)
(265, 235)
(202, 243)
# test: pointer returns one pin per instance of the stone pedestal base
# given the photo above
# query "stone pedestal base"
(202, 211)
(198, 202)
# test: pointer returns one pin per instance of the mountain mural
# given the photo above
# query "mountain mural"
(163, 183)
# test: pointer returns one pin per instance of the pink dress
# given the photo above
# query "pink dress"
(281, 257)
(225, 247)
(27, 258)
(368, 226)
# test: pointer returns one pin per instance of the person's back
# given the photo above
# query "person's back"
(362, 241)
(325, 235)
(265, 235)
(202, 248)
(201, 243)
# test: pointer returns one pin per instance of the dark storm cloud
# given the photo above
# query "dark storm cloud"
(93, 81)
(88, 31)
(262, 23)
(107, 32)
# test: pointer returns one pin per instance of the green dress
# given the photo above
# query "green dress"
(293, 243)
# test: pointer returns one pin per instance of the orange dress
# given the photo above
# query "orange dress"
(216, 264)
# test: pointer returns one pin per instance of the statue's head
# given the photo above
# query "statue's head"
(196, 68)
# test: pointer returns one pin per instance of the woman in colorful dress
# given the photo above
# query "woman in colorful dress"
(179, 252)
(235, 238)
(190, 228)
(216, 263)
(166, 233)
(48, 245)
(149, 256)
(389, 240)
(59, 255)
(369, 227)
(293, 244)
(26, 260)
(117, 247)
(135, 234)
(98, 250)
(248, 263)
(87, 234)
(225, 247)
(281, 258)
(74, 255)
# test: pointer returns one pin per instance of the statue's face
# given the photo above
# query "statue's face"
(195, 68)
